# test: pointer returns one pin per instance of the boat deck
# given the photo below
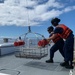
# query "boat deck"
(11, 65)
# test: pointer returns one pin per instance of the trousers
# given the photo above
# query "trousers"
(69, 48)
(57, 46)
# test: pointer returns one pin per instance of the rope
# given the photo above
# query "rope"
(28, 14)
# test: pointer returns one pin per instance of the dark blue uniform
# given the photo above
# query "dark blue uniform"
(57, 46)
(68, 46)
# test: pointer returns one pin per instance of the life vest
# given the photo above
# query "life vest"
(66, 31)
(57, 38)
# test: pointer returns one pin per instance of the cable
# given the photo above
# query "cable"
(28, 14)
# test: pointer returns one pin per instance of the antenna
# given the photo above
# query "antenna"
(28, 15)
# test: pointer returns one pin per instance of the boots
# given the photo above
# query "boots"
(67, 65)
(64, 64)
(49, 61)
(70, 65)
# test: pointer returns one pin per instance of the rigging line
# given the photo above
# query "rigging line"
(35, 10)
(28, 14)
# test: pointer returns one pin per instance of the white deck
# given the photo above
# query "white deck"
(13, 66)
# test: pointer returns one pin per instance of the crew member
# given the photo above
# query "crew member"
(66, 33)
(58, 45)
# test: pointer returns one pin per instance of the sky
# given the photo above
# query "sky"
(17, 15)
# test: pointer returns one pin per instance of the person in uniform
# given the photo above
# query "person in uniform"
(65, 33)
(58, 44)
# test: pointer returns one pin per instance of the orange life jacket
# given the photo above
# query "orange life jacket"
(66, 31)
(57, 38)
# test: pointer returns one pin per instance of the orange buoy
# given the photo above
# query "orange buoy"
(19, 43)
(43, 42)
(40, 43)
(15, 43)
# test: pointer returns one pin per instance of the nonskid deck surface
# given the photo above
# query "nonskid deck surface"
(12, 65)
